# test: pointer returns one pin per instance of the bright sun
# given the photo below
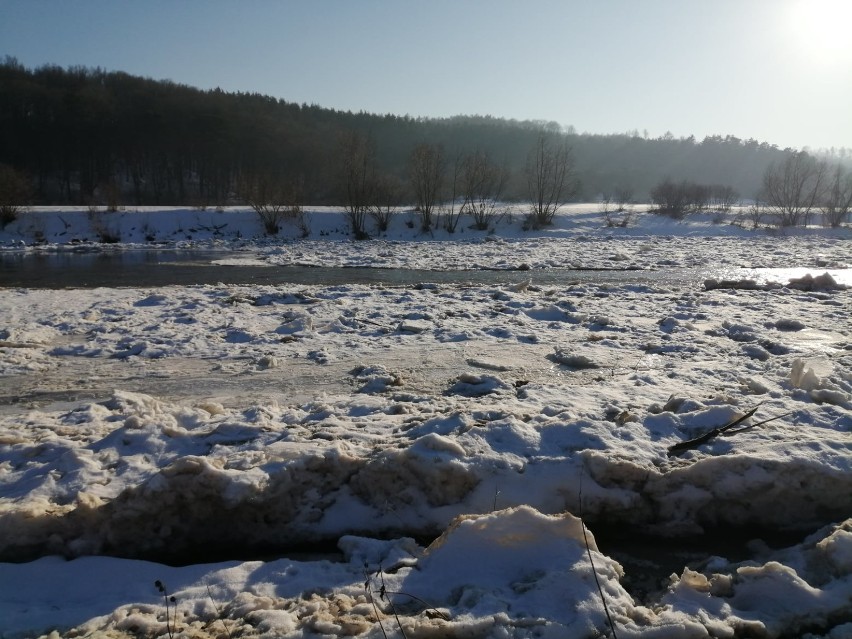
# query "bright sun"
(822, 29)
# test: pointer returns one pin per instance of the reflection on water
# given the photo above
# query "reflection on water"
(780, 275)
(174, 267)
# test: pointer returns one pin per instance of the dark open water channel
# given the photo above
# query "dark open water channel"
(153, 268)
(163, 268)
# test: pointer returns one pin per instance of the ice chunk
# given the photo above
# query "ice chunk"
(788, 324)
(801, 376)
(824, 282)
(572, 360)
(434, 443)
(837, 550)
(804, 375)
(414, 326)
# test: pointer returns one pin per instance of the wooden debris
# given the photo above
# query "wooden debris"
(727, 429)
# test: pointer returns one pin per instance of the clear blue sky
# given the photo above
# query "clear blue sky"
(776, 70)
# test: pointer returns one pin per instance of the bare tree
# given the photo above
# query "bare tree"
(357, 180)
(273, 198)
(426, 172)
(388, 197)
(723, 197)
(676, 200)
(451, 211)
(623, 196)
(670, 198)
(550, 178)
(14, 194)
(756, 212)
(697, 196)
(838, 198)
(606, 207)
(482, 186)
(616, 207)
(794, 188)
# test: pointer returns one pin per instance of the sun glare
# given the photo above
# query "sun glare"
(822, 30)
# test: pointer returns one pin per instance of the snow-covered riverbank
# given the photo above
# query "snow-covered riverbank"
(180, 420)
(578, 239)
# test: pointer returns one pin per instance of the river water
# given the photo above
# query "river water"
(153, 268)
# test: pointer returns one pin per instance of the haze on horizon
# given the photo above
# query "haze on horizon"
(774, 70)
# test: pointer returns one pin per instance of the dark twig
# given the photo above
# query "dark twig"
(368, 582)
(430, 608)
(170, 626)
(591, 561)
(690, 444)
(765, 421)
(366, 321)
(382, 594)
(218, 613)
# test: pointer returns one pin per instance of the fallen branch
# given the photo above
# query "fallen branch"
(692, 444)
(747, 428)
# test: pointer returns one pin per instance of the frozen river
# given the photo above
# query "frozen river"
(195, 404)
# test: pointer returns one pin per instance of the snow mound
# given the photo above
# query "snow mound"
(509, 573)
(813, 587)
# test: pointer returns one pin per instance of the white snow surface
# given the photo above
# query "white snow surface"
(142, 428)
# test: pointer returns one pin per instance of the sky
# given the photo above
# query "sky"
(779, 71)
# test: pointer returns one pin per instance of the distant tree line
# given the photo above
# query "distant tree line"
(801, 186)
(793, 192)
(678, 199)
(81, 135)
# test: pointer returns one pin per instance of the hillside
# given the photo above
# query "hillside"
(88, 135)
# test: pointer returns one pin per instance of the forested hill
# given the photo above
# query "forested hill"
(77, 132)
